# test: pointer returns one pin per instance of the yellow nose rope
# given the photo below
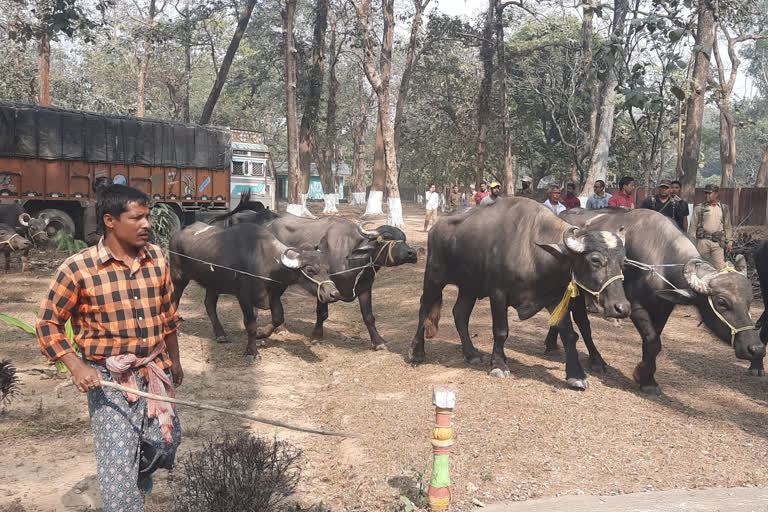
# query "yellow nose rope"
(734, 331)
(386, 245)
(318, 283)
(573, 291)
(9, 241)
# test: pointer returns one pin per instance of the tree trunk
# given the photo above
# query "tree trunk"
(484, 95)
(705, 36)
(585, 150)
(44, 66)
(598, 166)
(309, 119)
(221, 76)
(509, 170)
(288, 14)
(187, 59)
(680, 114)
(762, 172)
(379, 178)
(359, 178)
(327, 152)
(144, 64)
(727, 148)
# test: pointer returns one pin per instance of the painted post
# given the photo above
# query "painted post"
(444, 400)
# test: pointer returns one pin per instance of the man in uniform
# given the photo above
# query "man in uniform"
(711, 225)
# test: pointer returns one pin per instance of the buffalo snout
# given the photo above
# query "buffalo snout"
(621, 309)
(329, 292)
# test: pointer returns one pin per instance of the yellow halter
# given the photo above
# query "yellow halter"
(734, 331)
(573, 291)
(387, 245)
(318, 283)
(9, 241)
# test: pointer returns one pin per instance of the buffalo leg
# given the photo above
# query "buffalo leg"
(462, 310)
(211, 299)
(278, 316)
(574, 373)
(550, 342)
(179, 285)
(756, 368)
(366, 308)
(499, 366)
(249, 319)
(429, 312)
(649, 326)
(25, 260)
(579, 310)
(322, 316)
(7, 262)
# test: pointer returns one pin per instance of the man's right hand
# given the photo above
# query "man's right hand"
(84, 377)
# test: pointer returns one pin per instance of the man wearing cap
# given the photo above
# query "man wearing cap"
(571, 200)
(664, 203)
(526, 189)
(600, 198)
(493, 196)
(711, 225)
(553, 200)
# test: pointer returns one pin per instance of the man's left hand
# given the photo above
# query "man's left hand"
(177, 373)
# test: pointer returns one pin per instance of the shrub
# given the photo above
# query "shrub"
(9, 381)
(66, 242)
(237, 472)
(164, 222)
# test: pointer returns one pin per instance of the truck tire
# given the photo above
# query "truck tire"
(58, 221)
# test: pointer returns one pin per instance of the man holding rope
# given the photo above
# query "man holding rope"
(118, 295)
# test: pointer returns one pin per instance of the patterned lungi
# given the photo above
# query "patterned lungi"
(128, 445)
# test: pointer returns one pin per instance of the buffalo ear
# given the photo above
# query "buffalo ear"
(678, 296)
(364, 249)
(557, 250)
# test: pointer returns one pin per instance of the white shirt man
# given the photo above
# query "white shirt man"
(433, 201)
(553, 202)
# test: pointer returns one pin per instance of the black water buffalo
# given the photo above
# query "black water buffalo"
(33, 228)
(355, 255)
(722, 298)
(247, 261)
(518, 254)
(11, 241)
(761, 265)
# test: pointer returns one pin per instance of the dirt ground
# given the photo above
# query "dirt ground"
(517, 438)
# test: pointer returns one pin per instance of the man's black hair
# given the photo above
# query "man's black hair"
(570, 185)
(626, 180)
(483, 183)
(100, 183)
(601, 182)
(114, 201)
(676, 181)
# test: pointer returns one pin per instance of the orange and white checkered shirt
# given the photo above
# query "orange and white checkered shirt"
(115, 309)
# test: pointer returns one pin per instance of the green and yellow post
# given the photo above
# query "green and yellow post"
(444, 400)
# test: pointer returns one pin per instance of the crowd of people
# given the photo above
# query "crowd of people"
(710, 222)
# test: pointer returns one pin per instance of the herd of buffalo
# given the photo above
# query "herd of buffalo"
(612, 262)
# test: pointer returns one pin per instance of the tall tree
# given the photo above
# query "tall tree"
(598, 167)
(226, 63)
(486, 88)
(288, 14)
(584, 152)
(705, 37)
(359, 129)
(379, 79)
(148, 21)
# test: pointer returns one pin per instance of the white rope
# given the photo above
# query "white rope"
(210, 264)
(652, 269)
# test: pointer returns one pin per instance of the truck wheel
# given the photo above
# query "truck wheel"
(58, 221)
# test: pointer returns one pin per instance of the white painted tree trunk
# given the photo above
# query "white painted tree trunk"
(395, 212)
(300, 210)
(358, 198)
(331, 202)
(374, 203)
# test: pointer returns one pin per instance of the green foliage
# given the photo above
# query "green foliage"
(67, 243)
(164, 222)
(417, 496)
(9, 381)
(30, 329)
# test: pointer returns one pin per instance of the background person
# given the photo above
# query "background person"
(480, 195)
(118, 295)
(682, 204)
(471, 196)
(432, 199)
(493, 196)
(599, 199)
(664, 203)
(571, 200)
(454, 199)
(711, 225)
(626, 196)
(553, 200)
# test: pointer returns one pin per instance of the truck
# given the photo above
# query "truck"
(50, 157)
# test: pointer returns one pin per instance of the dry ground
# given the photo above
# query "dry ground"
(526, 436)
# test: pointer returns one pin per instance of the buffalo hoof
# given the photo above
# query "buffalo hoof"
(223, 339)
(598, 366)
(499, 373)
(381, 346)
(651, 390)
(252, 358)
(574, 383)
(476, 359)
(757, 372)
(551, 349)
(315, 341)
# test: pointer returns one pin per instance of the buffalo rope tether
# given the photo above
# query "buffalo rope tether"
(572, 291)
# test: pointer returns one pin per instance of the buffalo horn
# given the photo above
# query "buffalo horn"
(24, 219)
(291, 261)
(572, 242)
(593, 219)
(740, 264)
(699, 284)
(367, 232)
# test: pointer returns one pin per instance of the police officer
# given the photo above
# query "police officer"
(711, 224)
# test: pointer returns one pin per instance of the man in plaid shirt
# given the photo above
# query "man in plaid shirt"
(118, 295)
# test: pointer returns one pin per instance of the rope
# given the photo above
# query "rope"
(572, 291)
(9, 241)
(210, 264)
(318, 283)
(734, 331)
(652, 269)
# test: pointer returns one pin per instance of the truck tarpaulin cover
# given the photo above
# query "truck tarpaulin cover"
(29, 131)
